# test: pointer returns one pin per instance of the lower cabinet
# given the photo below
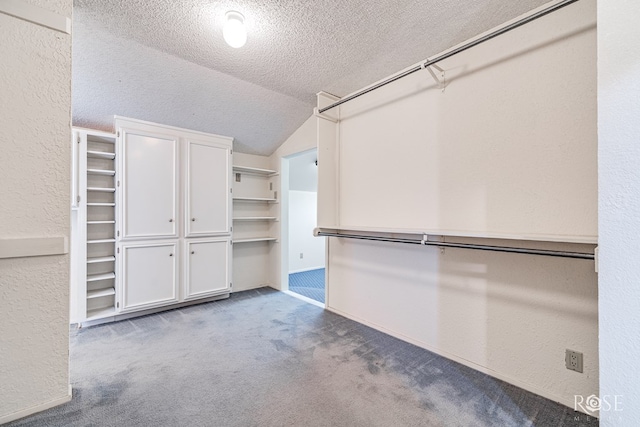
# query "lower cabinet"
(150, 272)
(207, 266)
(149, 275)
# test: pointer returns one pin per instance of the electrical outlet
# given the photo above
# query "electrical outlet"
(573, 360)
(238, 177)
(301, 255)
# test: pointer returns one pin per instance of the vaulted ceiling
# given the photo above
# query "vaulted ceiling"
(166, 60)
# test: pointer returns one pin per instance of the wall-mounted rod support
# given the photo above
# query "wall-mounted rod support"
(453, 52)
(545, 252)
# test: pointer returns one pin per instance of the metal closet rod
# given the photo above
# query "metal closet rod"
(545, 252)
(456, 51)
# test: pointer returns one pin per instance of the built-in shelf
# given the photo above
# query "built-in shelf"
(103, 139)
(101, 204)
(98, 293)
(100, 313)
(101, 189)
(254, 199)
(103, 276)
(96, 260)
(100, 222)
(254, 171)
(101, 241)
(255, 239)
(101, 172)
(255, 218)
(101, 155)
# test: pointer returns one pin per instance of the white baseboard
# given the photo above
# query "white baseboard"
(34, 409)
(306, 269)
(523, 385)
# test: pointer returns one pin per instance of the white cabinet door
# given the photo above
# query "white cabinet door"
(208, 189)
(149, 275)
(207, 267)
(149, 178)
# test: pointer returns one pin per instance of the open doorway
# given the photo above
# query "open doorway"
(303, 257)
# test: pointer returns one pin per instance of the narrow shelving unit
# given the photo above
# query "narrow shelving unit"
(97, 223)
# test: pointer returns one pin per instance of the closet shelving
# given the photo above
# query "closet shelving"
(97, 222)
(253, 198)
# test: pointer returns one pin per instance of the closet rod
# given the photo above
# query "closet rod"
(446, 55)
(545, 252)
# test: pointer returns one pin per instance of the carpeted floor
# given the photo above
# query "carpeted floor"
(263, 358)
(308, 283)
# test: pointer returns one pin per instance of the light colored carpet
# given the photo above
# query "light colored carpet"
(263, 358)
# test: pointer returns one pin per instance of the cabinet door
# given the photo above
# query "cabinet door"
(207, 268)
(149, 179)
(208, 189)
(149, 275)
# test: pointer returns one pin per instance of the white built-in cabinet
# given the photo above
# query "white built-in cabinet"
(207, 269)
(167, 237)
(149, 275)
(149, 164)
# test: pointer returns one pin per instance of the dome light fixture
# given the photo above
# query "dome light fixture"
(234, 32)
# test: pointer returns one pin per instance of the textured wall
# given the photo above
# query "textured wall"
(35, 85)
(619, 206)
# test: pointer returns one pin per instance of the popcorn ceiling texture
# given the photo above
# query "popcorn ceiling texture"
(35, 139)
(295, 49)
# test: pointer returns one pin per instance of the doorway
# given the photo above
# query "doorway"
(303, 257)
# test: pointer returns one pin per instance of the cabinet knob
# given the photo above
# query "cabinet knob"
(171, 220)
(170, 254)
(193, 219)
(193, 252)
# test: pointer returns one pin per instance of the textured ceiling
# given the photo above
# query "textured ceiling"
(165, 60)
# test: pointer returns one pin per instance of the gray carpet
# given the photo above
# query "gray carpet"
(263, 358)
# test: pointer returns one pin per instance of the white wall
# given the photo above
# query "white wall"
(35, 134)
(303, 139)
(302, 221)
(509, 147)
(619, 206)
(509, 315)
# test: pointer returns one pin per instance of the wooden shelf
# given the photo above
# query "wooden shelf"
(101, 189)
(101, 241)
(255, 218)
(101, 204)
(100, 222)
(254, 199)
(100, 313)
(97, 260)
(101, 172)
(255, 239)
(101, 155)
(104, 276)
(98, 293)
(254, 171)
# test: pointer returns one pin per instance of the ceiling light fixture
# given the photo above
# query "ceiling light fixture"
(234, 32)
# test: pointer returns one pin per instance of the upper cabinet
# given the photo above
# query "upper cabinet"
(149, 185)
(208, 188)
(175, 183)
